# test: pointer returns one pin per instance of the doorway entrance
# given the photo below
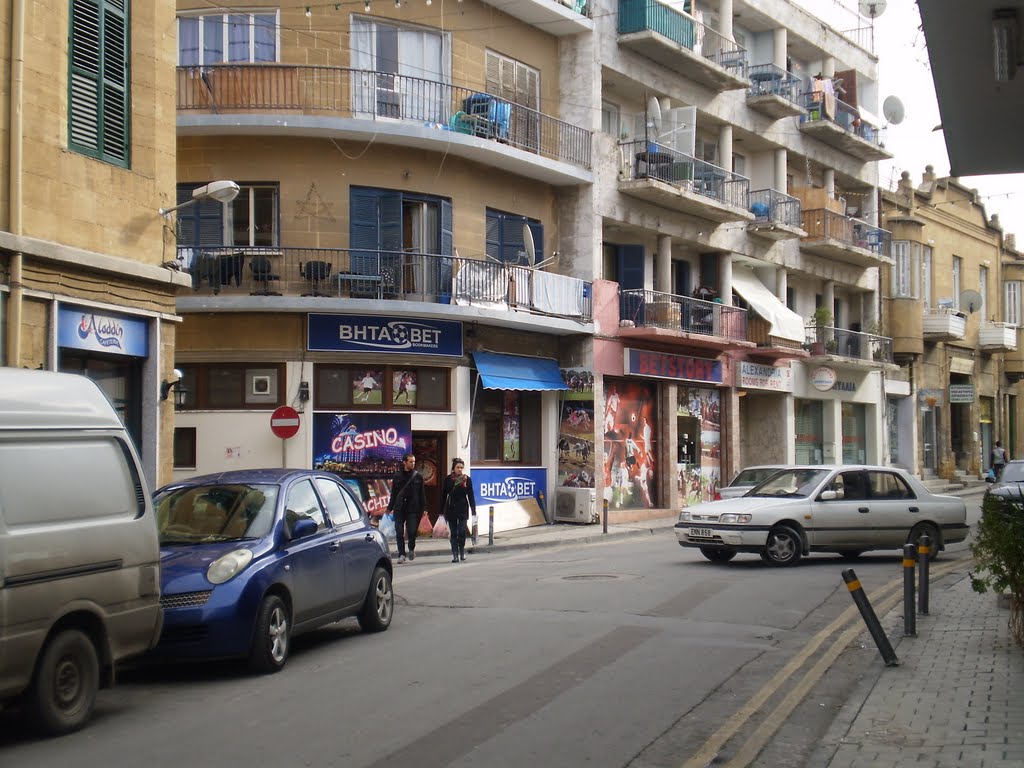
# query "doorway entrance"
(432, 464)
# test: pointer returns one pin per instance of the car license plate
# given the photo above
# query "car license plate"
(702, 533)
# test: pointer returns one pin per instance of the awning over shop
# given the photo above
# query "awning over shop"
(785, 323)
(518, 372)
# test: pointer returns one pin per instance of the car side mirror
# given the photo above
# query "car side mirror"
(305, 526)
(830, 495)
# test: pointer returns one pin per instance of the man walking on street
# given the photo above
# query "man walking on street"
(408, 502)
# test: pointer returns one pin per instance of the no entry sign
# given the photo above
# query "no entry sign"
(284, 422)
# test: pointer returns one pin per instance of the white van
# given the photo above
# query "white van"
(79, 557)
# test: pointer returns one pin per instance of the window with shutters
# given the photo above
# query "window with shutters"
(515, 82)
(1012, 296)
(219, 38)
(506, 239)
(99, 78)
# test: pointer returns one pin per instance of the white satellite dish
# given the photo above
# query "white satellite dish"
(528, 245)
(872, 9)
(970, 301)
(654, 115)
(892, 109)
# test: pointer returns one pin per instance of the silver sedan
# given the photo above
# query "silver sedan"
(847, 509)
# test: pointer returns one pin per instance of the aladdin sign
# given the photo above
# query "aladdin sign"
(384, 334)
(660, 365)
(91, 331)
(770, 377)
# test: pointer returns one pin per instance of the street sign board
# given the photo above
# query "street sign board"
(284, 422)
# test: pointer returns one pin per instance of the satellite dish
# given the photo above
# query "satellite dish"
(528, 246)
(970, 300)
(892, 109)
(871, 8)
(654, 115)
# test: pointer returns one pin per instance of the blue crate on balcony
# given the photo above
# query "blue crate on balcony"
(492, 115)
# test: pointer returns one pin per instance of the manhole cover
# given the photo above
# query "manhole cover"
(591, 577)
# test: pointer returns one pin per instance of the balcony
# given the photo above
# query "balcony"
(943, 324)
(776, 215)
(679, 182)
(678, 41)
(839, 125)
(345, 103)
(837, 236)
(664, 317)
(241, 279)
(774, 92)
(560, 18)
(769, 346)
(997, 337)
(846, 347)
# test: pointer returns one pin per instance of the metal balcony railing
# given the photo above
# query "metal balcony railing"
(654, 309)
(650, 160)
(772, 206)
(826, 339)
(823, 223)
(371, 95)
(846, 117)
(384, 276)
(770, 79)
(684, 30)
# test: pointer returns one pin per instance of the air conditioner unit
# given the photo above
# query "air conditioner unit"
(576, 505)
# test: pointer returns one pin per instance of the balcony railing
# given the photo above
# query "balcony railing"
(385, 276)
(823, 223)
(768, 79)
(371, 95)
(770, 206)
(654, 309)
(650, 160)
(828, 340)
(845, 116)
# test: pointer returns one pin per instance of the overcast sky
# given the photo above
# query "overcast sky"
(904, 71)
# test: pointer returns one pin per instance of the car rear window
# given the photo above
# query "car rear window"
(754, 476)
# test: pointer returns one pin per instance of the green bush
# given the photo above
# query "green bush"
(998, 550)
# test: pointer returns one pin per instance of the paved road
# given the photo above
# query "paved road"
(629, 653)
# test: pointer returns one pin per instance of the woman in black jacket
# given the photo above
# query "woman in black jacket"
(457, 501)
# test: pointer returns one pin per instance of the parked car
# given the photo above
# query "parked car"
(251, 558)
(747, 479)
(79, 559)
(1008, 488)
(846, 509)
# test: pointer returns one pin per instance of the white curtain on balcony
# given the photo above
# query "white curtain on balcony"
(786, 323)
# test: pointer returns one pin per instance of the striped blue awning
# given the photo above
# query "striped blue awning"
(518, 372)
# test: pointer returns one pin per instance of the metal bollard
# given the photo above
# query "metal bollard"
(604, 518)
(909, 616)
(490, 526)
(924, 547)
(868, 614)
(543, 507)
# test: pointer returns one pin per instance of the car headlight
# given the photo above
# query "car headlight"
(227, 566)
(684, 516)
(734, 517)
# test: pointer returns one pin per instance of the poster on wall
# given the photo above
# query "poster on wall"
(576, 430)
(699, 467)
(366, 444)
(630, 468)
(515, 495)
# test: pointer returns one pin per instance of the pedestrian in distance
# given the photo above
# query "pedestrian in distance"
(457, 504)
(998, 459)
(408, 503)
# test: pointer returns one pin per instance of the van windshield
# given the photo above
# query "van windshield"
(219, 512)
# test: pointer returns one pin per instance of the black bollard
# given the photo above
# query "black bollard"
(490, 527)
(924, 548)
(868, 614)
(604, 518)
(909, 616)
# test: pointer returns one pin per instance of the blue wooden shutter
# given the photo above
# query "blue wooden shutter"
(363, 230)
(630, 272)
(444, 276)
(493, 234)
(200, 224)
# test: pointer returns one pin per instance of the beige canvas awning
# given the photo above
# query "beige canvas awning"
(785, 323)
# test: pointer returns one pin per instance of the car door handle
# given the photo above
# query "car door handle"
(862, 510)
(334, 546)
(915, 509)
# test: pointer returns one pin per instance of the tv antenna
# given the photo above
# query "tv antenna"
(872, 9)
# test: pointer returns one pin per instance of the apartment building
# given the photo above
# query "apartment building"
(952, 302)
(577, 244)
(87, 153)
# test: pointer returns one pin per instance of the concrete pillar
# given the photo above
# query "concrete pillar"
(781, 283)
(780, 182)
(731, 434)
(725, 146)
(663, 265)
(828, 67)
(829, 177)
(725, 19)
(780, 42)
(725, 279)
(828, 297)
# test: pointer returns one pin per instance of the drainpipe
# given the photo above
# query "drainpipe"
(14, 313)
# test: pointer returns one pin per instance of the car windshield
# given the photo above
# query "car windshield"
(791, 482)
(1013, 473)
(218, 512)
(753, 475)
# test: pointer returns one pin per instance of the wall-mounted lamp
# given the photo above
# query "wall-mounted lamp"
(303, 391)
(180, 393)
(221, 191)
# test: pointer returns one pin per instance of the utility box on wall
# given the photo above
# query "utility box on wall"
(576, 505)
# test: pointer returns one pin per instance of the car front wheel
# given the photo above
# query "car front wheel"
(718, 554)
(271, 640)
(783, 546)
(379, 605)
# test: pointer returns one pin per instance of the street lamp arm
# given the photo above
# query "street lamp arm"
(221, 191)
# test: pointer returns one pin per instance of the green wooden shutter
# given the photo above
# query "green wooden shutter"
(99, 82)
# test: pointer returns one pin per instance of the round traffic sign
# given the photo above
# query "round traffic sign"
(284, 422)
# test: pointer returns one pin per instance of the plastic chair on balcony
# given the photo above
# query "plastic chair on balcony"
(315, 273)
(263, 272)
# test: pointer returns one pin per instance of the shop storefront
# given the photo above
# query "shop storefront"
(764, 393)
(838, 415)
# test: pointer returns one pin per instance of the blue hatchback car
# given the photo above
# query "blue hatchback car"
(251, 558)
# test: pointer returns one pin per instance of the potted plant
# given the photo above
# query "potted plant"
(821, 318)
(998, 550)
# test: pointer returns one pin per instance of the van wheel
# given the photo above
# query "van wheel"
(271, 640)
(62, 694)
